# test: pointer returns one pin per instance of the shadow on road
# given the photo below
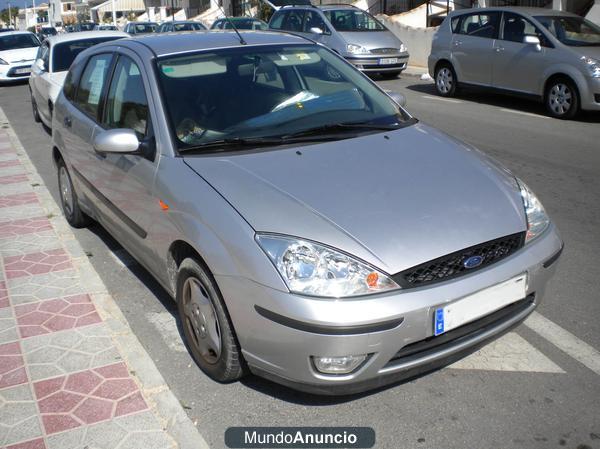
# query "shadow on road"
(482, 96)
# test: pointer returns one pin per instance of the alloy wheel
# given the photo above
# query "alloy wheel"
(444, 80)
(560, 98)
(66, 191)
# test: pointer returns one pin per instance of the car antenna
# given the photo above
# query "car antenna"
(242, 41)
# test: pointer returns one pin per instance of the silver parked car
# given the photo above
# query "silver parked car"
(53, 60)
(179, 26)
(319, 236)
(548, 55)
(349, 31)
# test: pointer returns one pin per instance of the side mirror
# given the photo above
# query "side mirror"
(533, 40)
(122, 141)
(39, 64)
(316, 30)
(397, 97)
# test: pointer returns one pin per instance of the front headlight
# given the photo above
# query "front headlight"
(312, 269)
(357, 49)
(593, 66)
(403, 48)
(537, 220)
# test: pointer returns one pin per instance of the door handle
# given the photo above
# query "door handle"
(67, 122)
(499, 49)
(457, 43)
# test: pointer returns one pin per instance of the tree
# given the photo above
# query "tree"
(4, 16)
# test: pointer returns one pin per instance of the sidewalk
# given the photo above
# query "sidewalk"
(72, 373)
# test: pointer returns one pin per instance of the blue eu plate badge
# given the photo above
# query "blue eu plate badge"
(439, 322)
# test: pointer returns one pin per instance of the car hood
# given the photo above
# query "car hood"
(19, 54)
(372, 39)
(393, 199)
(590, 52)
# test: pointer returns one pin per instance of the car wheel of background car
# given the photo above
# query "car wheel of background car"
(68, 198)
(36, 113)
(206, 324)
(562, 98)
(390, 75)
(445, 80)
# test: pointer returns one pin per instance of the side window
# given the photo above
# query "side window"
(91, 84)
(277, 20)
(480, 25)
(516, 27)
(312, 19)
(46, 57)
(293, 21)
(454, 24)
(69, 86)
(127, 104)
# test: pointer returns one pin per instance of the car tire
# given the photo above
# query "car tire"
(36, 113)
(68, 198)
(207, 328)
(562, 99)
(445, 80)
(390, 75)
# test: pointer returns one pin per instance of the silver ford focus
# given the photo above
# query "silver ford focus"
(310, 230)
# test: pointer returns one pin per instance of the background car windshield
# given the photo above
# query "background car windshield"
(65, 53)
(86, 26)
(188, 27)
(574, 31)
(245, 25)
(283, 90)
(352, 20)
(15, 41)
(144, 28)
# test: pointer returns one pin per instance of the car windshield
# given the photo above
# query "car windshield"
(14, 41)
(86, 26)
(188, 26)
(49, 31)
(283, 90)
(353, 20)
(245, 25)
(65, 53)
(573, 31)
(141, 28)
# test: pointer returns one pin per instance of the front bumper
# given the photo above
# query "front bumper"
(10, 72)
(590, 94)
(378, 63)
(395, 329)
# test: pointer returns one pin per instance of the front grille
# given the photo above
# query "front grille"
(385, 51)
(11, 73)
(453, 265)
(470, 330)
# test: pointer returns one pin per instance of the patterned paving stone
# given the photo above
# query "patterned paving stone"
(19, 416)
(12, 179)
(31, 210)
(7, 155)
(12, 367)
(8, 326)
(14, 188)
(87, 397)
(13, 228)
(3, 295)
(13, 170)
(46, 286)
(9, 163)
(18, 199)
(29, 243)
(69, 351)
(55, 315)
(38, 443)
(140, 430)
(37, 263)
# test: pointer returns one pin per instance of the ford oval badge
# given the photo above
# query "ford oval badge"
(473, 261)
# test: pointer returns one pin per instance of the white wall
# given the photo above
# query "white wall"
(418, 40)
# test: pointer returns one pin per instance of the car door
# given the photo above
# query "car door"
(40, 86)
(473, 45)
(516, 65)
(128, 178)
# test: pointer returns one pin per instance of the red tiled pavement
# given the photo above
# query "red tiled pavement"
(87, 397)
(12, 367)
(55, 315)
(18, 199)
(3, 295)
(9, 163)
(37, 263)
(24, 226)
(33, 444)
(13, 179)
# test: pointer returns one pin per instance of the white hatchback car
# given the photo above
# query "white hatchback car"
(17, 53)
(52, 63)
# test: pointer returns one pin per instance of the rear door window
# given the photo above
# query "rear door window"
(480, 25)
(92, 84)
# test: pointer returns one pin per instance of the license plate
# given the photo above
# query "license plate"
(22, 71)
(479, 304)
(388, 61)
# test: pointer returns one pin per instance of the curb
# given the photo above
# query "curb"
(164, 404)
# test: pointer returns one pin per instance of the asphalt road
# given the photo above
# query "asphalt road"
(522, 392)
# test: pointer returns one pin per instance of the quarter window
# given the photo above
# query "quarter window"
(127, 104)
(92, 83)
(480, 25)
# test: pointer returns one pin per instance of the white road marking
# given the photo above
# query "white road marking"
(509, 353)
(449, 100)
(122, 257)
(565, 341)
(529, 114)
(166, 325)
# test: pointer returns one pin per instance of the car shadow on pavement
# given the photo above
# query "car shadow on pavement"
(481, 96)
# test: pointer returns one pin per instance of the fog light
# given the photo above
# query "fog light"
(338, 365)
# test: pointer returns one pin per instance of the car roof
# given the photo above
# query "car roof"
(327, 7)
(168, 44)
(82, 35)
(12, 33)
(531, 11)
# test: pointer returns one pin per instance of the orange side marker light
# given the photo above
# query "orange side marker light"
(163, 205)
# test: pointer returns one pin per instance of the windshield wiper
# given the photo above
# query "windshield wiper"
(233, 142)
(343, 127)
